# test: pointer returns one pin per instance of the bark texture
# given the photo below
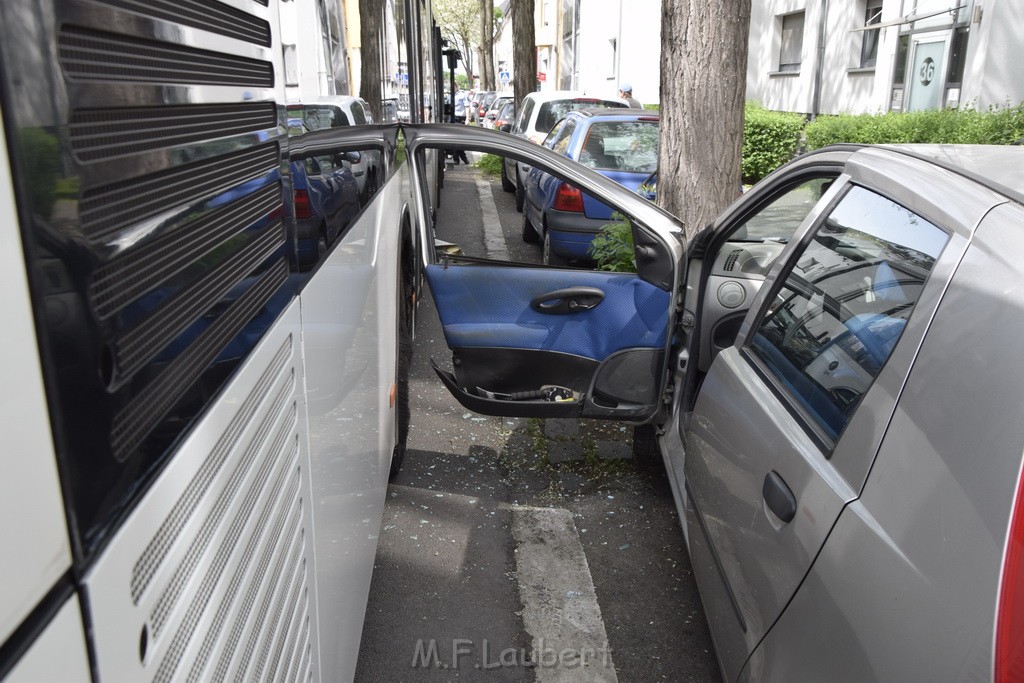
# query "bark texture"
(487, 44)
(703, 85)
(371, 36)
(524, 50)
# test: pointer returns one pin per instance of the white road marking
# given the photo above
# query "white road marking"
(494, 237)
(560, 610)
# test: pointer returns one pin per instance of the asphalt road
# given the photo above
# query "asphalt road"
(523, 550)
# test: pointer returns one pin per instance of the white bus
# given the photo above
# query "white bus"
(200, 413)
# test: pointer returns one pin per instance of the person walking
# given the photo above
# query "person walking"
(460, 107)
(459, 116)
(626, 93)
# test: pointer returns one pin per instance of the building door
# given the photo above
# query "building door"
(926, 74)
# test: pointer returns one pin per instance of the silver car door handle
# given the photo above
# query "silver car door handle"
(779, 498)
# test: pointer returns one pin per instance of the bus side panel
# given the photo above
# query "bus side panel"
(59, 653)
(210, 574)
(36, 551)
(349, 324)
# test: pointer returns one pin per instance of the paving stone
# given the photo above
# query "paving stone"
(557, 428)
(511, 424)
(564, 451)
(614, 450)
(572, 482)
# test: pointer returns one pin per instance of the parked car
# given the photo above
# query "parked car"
(503, 121)
(830, 376)
(480, 102)
(333, 111)
(389, 110)
(325, 195)
(621, 144)
(491, 115)
(538, 112)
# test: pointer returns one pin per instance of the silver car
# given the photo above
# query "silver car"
(832, 375)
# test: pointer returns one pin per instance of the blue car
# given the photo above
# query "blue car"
(326, 199)
(621, 144)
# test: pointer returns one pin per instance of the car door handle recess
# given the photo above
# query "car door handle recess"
(779, 498)
(569, 300)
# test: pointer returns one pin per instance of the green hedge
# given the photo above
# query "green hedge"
(997, 126)
(770, 139)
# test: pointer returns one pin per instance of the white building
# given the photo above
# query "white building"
(596, 45)
(312, 40)
(869, 56)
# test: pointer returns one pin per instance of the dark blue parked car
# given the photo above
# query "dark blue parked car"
(326, 198)
(621, 144)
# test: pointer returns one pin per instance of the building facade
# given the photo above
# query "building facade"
(871, 56)
(596, 45)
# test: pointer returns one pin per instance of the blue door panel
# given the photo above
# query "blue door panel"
(489, 307)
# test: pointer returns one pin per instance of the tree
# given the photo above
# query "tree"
(487, 44)
(703, 84)
(371, 71)
(524, 50)
(460, 24)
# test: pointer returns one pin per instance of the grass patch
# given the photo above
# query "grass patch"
(490, 164)
(67, 188)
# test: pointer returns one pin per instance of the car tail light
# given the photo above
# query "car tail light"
(647, 118)
(1010, 617)
(568, 198)
(302, 206)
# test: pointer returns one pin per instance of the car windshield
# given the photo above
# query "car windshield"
(318, 116)
(621, 146)
(551, 112)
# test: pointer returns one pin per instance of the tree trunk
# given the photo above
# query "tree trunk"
(524, 50)
(371, 35)
(487, 44)
(703, 84)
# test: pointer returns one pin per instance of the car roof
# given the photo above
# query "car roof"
(614, 113)
(998, 167)
(551, 95)
(341, 100)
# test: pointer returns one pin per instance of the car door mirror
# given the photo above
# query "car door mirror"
(352, 157)
(505, 128)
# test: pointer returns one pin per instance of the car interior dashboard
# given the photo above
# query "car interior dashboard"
(736, 275)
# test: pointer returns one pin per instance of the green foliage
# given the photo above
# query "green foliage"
(490, 164)
(653, 107)
(770, 139)
(462, 81)
(39, 154)
(997, 126)
(67, 188)
(612, 248)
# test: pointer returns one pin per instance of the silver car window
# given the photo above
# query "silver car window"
(831, 327)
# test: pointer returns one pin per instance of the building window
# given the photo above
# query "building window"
(899, 71)
(869, 48)
(792, 42)
(957, 61)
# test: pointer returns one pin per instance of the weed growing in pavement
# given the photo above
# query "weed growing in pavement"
(490, 164)
(527, 449)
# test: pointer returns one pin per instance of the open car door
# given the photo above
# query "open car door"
(538, 341)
